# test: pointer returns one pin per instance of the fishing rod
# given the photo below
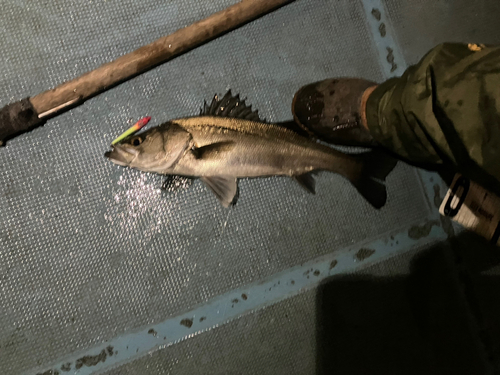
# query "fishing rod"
(19, 117)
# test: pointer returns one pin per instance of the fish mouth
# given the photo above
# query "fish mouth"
(122, 155)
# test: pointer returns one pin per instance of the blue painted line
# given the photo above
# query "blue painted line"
(234, 304)
(382, 33)
(391, 59)
(429, 182)
(385, 43)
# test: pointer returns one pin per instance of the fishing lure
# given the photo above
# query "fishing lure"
(138, 126)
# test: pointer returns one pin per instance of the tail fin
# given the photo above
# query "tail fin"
(369, 179)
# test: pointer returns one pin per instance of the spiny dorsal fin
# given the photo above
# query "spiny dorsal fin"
(230, 106)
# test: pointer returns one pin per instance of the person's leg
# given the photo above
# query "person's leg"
(445, 109)
(330, 109)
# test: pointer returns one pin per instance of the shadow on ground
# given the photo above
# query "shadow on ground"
(442, 318)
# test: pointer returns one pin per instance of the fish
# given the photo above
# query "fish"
(228, 141)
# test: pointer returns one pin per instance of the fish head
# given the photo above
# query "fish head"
(155, 150)
(143, 151)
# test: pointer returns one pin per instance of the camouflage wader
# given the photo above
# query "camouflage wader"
(444, 110)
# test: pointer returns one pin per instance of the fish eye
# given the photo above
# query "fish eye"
(137, 141)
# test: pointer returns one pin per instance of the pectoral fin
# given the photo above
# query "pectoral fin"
(224, 187)
(307, 181)
(214, 150)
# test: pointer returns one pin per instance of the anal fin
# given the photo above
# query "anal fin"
(307, 181)
(225, 188)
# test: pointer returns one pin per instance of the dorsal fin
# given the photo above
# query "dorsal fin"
(230, 106)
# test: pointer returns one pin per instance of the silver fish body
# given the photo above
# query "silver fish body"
(220, 149)
(242, 148)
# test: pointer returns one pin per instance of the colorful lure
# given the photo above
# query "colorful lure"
(138, 126)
